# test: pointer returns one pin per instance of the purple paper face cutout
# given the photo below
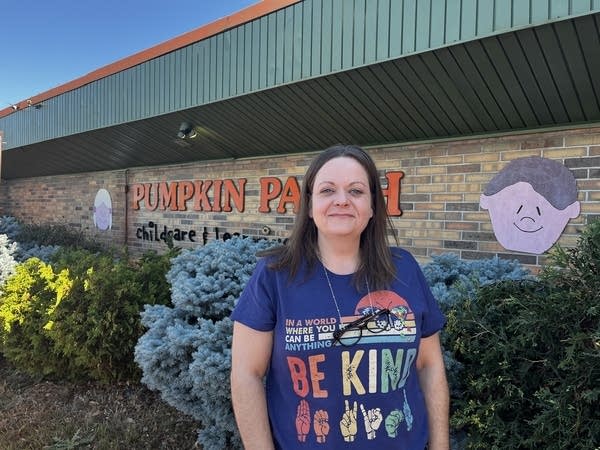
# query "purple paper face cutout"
(530, 202)
(103, 210)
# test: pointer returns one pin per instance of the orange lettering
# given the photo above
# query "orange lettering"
(138, 195)
(316, 376)
(291, 194)
(167, 195)
(185, 191)
(392, 193)
(298, 374)
(148, 197)
(201, 197)
(270, 188)
(217, 195)
(231, 193)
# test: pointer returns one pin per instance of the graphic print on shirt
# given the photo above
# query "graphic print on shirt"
(385, 369)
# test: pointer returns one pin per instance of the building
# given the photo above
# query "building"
(207, 135)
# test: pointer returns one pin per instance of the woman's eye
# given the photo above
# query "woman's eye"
(356, 191)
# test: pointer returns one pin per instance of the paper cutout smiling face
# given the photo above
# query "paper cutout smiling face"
(530, 202)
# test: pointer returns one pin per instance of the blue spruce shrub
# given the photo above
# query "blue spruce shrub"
(8, 263)
(18, 249)
(453, 280)
(185, 354)
(10, 227)
(31, 250)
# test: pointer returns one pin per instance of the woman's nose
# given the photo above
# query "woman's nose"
(341, 199)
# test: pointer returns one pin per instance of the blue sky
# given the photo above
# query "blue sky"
(46, 43)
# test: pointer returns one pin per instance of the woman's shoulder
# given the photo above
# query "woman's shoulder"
(402, 256)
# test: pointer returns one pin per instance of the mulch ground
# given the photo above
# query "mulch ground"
(38, 414)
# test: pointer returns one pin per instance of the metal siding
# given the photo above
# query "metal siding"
(540, 10)
(502, 64)
(578, 71)
(255, 63)
(464, 76)
(559, 8)
(589, 40)
(219, 63)
(264, 54)
(383, 29)
(316, 46)
(521, 13)
(493, 91)
(347, 33)
(358, 53)
(248, 67)
(288, 45)
(232, 66)
(370, 38)
(239, 64)
(396, 27)
(556, 81)
(336, 19)
(447, 94)
(453, 21)
(306, 43)
(468, 19)
(409, 114)
(297, 41)
(319, 37)
(526, 78)
(545, 90)
(409, 26)
(437, 25)
(502, 14)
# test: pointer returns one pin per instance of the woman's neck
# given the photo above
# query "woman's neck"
(341, 258)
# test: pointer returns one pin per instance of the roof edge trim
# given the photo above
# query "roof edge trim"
(255, 11)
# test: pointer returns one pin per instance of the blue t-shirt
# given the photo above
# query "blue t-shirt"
(361, 395)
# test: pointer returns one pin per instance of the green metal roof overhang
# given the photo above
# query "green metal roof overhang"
(287, 82)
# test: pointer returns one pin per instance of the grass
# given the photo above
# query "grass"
(40, 414)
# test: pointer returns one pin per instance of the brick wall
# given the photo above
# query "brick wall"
(67, 200)
(439, 194)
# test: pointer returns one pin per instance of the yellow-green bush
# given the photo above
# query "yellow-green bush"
(78, 317)
(27, 309)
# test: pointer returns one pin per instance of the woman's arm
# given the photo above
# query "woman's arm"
(250, 354)
(432, 377)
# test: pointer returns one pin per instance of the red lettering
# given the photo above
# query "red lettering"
(270, 188)
(392, 193)
(298, 374)
(167, 195)
(291, 194)
(138, 195)
(230, 192)
(148, 197)
(185, 191)
(316, 376)
(217, 195)
(201, 201)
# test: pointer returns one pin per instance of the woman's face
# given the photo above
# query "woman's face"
(341, 199)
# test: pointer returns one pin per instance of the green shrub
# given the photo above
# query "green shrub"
(27, 306)
(56, 234)
(531, 356)
(84, 315)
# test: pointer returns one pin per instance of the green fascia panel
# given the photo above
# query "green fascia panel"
(309, 39)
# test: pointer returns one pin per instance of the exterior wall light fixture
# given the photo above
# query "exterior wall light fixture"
(186, 131)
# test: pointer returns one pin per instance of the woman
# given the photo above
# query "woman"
(344, 328)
